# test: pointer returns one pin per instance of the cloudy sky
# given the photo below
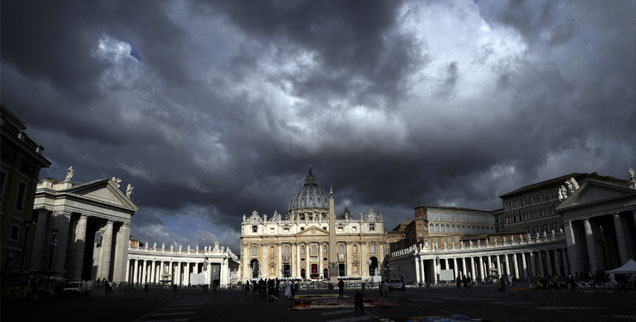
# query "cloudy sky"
(215, 109)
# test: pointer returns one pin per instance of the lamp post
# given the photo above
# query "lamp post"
(53, 244)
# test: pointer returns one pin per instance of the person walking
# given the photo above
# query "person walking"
(288, 292)
(340, 289)
(358, 301)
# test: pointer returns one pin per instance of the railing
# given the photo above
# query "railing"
(521, 239)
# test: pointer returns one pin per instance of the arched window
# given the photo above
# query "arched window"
(355, 249)
(286, 249)
(302, 250)
(341, 249)
(314, 250)
(254, 251)
(372, 248)
(431, 227)
(437, 227)
(324, 249)
(453, 228)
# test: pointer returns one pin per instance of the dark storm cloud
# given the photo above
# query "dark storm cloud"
(212, 110)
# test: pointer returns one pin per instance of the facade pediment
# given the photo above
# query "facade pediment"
(104, 191)
(595, 191)
(313, 231)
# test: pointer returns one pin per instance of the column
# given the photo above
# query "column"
(565, 262)
(39, 243)
(223, 280)
(620, 239)
(107, 243)
(297, 268)
(541, 269)
(508, 264)
(187, 274)
(122, 241)
(153, 270)
(127, 271)
(456, 271)
(446, 263)
(555, 260)
(533, 266)
(481, 268)
(464, 267)
(280, 262)
(571, 245)
(307, 257)
(144, 275)
(515, 265)
(524, 266)
(135, 271)
(549, 270)
(499, 270)
(472, 268)
(79, 241)
(418, 279)
(61, 222)
(178, 272)
(591, 245)
(435, 270)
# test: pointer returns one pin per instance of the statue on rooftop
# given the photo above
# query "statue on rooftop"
(69, 174)
(129, 190)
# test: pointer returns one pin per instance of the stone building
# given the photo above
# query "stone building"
(82, 229)
(531, 208)
(169, 265)
(21, 163)
(600, 225)
(599, 220)
(442, 224)
(310, 242)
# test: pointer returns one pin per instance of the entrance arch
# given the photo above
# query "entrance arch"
(373, 265)
(254, 266)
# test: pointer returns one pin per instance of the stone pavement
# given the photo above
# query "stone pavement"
(448, 304)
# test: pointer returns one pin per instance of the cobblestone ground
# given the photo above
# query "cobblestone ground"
(485, 303)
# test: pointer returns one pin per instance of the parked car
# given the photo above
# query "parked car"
(396, 285)
(76, 288)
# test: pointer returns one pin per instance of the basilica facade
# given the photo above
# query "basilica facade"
(309, 242)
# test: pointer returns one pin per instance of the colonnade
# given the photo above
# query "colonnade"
(150, 271)
(601, 242)
(523, 265)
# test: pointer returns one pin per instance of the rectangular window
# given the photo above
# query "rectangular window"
(340, 229)
(355, 228)
(271, 229)
(19, 202)
(302, 228)
(254, 229)
(372, 227)
(286, 229)
(15, 233)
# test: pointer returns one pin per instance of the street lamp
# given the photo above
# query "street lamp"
(53, 244)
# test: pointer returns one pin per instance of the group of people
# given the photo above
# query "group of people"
(462, 279)
(271, 288)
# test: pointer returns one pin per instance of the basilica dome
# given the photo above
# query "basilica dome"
(309, 196)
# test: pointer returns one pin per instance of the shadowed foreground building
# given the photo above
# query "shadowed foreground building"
(82, 228)
(21, 163)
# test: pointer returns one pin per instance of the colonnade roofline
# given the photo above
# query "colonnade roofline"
(210, 251)
(541, 241)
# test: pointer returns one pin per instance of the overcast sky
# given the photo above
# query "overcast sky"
(214, 109)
